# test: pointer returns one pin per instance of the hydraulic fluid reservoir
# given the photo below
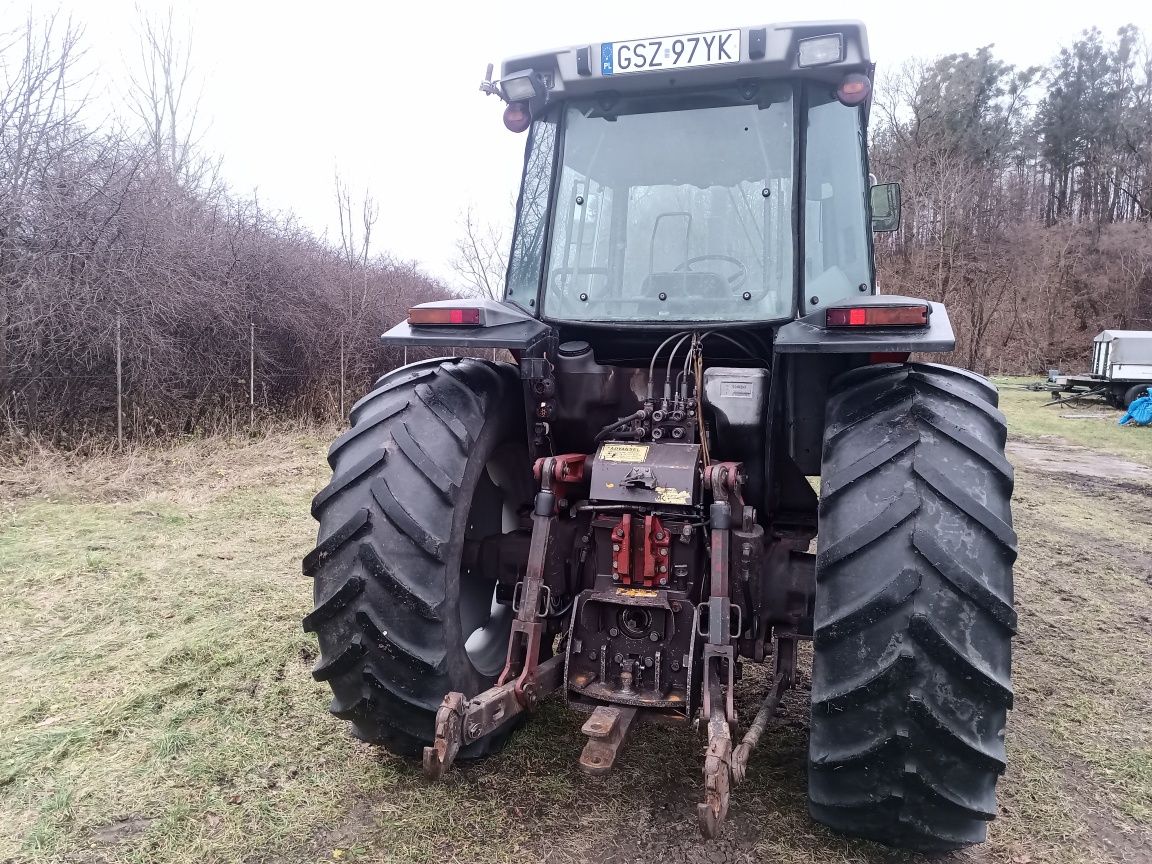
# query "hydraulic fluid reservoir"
(584, 386)
(576, 357)
(738, 399)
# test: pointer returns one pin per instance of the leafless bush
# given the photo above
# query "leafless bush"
(100, 226)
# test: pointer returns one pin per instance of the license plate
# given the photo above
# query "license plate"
(670, 52)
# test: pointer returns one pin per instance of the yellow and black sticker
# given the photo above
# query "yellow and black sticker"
(624, 452)
(668, 495)
(635, 592)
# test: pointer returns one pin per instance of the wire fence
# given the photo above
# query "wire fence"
(117, 403)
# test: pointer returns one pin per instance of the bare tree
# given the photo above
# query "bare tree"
(162, 93)
(355, 249)
(38, 129)
(1011, 209)
(480, 261)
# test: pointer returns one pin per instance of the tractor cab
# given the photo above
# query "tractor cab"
(711, 177)
(714, 181)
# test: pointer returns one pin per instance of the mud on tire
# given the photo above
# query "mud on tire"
(435, 456)
(911, 677)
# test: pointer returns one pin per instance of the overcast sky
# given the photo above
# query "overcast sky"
(387, 91)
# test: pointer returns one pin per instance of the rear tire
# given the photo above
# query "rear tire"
(435, 454)
(913, 618)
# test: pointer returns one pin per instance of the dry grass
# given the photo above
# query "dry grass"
(1031, 416)
(158, 705)
(200, 465)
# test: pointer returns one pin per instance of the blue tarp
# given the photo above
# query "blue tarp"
(1139, 413)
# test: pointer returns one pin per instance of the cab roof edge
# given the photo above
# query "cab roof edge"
(765, 51)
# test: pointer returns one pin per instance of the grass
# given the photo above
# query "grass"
(1030, 415)
(158, 707)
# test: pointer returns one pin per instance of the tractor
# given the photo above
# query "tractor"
(707, 445)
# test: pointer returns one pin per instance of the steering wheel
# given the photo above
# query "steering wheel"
(735, 280)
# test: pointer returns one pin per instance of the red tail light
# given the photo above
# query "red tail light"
(878, 316)
(444, 315)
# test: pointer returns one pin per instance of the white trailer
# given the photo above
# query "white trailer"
(1121, 368)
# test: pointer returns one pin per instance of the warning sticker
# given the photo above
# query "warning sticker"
(668, 495)
(624, 452)
(635, 592)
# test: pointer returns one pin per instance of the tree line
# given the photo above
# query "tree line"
(1027, 210)
(1027, 197)
(119, 238)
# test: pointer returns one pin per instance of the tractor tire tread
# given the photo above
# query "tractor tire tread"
(390, 540)
(405, 520)
(403, 590)
(914, 617)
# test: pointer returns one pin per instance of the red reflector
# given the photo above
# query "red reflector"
(434, 315)
(877, 316)
(898, 316)
(840, 317)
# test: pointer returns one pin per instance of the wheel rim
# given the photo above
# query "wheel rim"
(484, 623)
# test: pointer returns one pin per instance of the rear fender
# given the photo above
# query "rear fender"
(504, 326)
(812, 354)
(808, 335)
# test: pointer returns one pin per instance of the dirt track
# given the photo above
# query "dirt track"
(1070, 460)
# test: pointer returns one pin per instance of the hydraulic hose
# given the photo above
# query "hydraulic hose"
(671, 359)
(652, 365)
(611, 427)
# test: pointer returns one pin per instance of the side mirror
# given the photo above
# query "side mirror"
(886, 207)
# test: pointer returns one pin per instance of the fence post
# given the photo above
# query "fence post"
(251, 376)
(405, 355)
(119, 388)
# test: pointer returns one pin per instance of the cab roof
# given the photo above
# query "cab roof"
(765, 51)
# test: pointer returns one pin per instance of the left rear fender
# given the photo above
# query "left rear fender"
(502, 326)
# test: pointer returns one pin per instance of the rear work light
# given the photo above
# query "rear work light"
(878, 316)
(522, 86)
(819, 50)
(462, 316)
